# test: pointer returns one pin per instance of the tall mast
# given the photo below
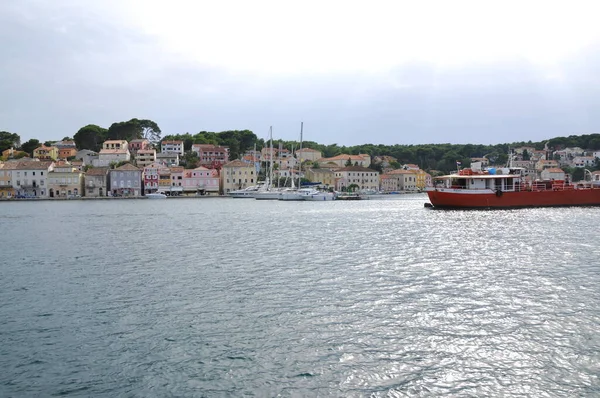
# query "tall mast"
(300, 165)
(271, 160)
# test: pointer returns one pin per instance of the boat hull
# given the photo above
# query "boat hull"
(320, 197)
(268, 195)
(156, 196)
(442, 199)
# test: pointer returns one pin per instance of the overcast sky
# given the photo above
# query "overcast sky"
(354, 71)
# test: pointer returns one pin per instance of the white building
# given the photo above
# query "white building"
(108, 156)
(168, 158)
(401, 180)
(553, 174)
(30, 178)
(584, 161)
(172, 146)
(363, 177)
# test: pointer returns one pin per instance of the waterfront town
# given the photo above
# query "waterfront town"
(135, 168)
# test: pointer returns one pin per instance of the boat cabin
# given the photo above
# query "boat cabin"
(506, 179)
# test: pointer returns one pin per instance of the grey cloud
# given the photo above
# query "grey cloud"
(66, 68)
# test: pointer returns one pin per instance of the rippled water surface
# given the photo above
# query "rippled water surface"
(225, 297)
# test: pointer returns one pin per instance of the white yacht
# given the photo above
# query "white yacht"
(315, 195)
(247, 193)
(156, 195)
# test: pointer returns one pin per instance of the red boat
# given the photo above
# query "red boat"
(505, 189)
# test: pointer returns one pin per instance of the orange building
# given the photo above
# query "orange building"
(65, 153)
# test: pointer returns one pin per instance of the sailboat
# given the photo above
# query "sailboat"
(269, 192)
(293, 193)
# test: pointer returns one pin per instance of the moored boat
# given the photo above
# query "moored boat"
(246, 193)
(311, 194)
(507, 188)
(156, 195)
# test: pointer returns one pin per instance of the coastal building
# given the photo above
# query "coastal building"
(176, 180)
(112, 152)
(596, 176)
(357, 176)
(6, 188)
(237, 175)
(86, 156)
(145, 157)
(139, 144)
(115, 144)
(66, 153)
(125, 181)
(65, 181)
(201, 181)
(78, 164)
(211, 156)
(343, 159)
(325, 176)
(95, 182)
(389, 183)
(65, 144)
(553, 174)
(172, 146)
(30, 178)
(542, 164)
(410, 166)
(151, 176)
(46, 153)
(584, 161)
(164, 179)
(168, 158)
(309, 154)
(406, 180)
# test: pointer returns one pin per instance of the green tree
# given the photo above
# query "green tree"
(90, 137)
(353, 187)
(129, 130)
(348, 163)
(48, 143)
(315, 165)
(30, 145)
(526, 155)
(190, 160)
(9, 140)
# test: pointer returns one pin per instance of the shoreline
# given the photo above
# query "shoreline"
(109, 198)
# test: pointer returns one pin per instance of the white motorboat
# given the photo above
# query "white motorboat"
(156, 195)
(247, 193)
(268, 195)
(315, 195)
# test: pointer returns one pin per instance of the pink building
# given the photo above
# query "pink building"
(139, 144)
(201, 180)
(211, 155)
